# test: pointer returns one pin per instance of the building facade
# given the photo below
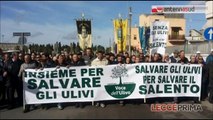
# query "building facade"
(10, 46)
(177, 24)
(209, 14)
(135, 40)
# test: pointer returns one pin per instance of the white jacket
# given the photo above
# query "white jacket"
(97, 62)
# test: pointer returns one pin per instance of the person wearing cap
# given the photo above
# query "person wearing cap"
(198, 54)
(209, 57)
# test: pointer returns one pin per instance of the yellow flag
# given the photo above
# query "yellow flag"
(120, 32)
(124, 33)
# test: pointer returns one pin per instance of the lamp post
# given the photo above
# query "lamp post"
(130, 22)
(120, 32)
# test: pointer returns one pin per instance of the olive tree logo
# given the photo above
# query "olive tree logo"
(120, 90)
(118, 72)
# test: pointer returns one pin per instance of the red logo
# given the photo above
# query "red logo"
(157, 9)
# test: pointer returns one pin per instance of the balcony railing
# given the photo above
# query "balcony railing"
(176, 37)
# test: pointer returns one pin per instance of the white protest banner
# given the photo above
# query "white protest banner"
(112, 82)
(158, 36)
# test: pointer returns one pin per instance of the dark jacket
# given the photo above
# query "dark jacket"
(15, 67)
(184, 60)
(173, 60)
(209, 59)
(112, 62)
(12, 68)
(1, 70)
(210, 74)
(87, 59)
(78, 63)
(47, 64)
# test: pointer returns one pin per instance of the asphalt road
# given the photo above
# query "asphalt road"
(115, 111)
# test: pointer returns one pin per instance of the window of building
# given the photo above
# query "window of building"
(175, 32)
(135, 37)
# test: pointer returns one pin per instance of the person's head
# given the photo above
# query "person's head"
(166, 57)
(6, 56)
(111, 57)
(119, 59)
(133, 58)
(38, 57)
(182, 54)
(27, 58)
(15, 56)
(198, 53)
(126, 54)
(192, 58)
(100, 55)
(176, 52)
(156, 57)
(33, 56)
(20, 56)
(88, 51)
(141, 55)
(128, 60)
(146, 58)
(60, 59)
(137, 59)
(66, 54)
(107, 56)
(200, 60)
(79, 55)
(211, 51)
(75, 57)
(44, 57)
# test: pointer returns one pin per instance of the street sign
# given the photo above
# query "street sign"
(208, 33)
(21, 34)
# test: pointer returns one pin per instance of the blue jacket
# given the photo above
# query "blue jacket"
(209, 59)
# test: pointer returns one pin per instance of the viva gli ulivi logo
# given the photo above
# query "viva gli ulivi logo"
(120, 90)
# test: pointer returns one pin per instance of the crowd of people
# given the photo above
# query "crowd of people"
(12, 67)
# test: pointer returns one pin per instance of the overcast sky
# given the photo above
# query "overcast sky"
(53, 21)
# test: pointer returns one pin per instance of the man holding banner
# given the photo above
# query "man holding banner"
(100, 61)
(76, 62)
(26, 65)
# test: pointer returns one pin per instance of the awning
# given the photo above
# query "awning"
(178, 28)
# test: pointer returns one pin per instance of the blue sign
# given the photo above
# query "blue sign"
(208, 33)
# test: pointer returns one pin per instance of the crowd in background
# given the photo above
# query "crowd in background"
(12, 66)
